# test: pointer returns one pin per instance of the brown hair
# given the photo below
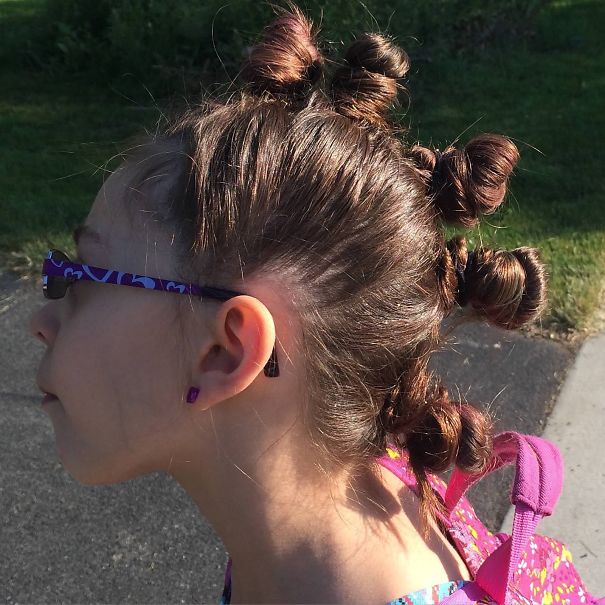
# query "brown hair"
(309, 181)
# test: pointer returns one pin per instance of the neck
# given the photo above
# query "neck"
(297, 535)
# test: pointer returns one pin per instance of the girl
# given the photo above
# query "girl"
(305, 239)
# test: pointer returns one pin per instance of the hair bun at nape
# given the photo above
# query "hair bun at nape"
(286, 61)
(366, 86)
(449, 432)
(469, 182)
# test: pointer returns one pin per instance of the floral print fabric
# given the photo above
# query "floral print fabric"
(432, 596)
(545, 574)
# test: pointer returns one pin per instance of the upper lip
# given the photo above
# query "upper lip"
(45, 391)
(41, 379)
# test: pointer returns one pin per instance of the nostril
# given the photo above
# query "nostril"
(44, 323)
(33, 330)
(38, 336)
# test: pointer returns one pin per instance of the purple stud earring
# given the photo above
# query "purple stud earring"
(192, 394)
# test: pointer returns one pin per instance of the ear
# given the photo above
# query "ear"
(243, 337)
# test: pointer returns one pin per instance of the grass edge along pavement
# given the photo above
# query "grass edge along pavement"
(536, 94)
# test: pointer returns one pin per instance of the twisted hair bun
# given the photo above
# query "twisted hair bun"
(437, 433)
(449, 433)
(366, 86)
(466, 183)
(286, 61)
(507, 287)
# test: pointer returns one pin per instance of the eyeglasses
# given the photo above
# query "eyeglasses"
(59, 272)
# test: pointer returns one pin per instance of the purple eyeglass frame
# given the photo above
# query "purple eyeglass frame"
(69, 272)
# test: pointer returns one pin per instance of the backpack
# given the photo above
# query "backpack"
(521, 568)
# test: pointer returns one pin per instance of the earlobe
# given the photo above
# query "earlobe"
(192, 394)
(192, 397)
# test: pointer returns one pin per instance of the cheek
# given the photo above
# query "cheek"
(119, 387)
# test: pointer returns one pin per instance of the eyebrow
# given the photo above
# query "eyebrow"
(85, 231)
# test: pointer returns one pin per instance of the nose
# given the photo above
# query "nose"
(42, 324)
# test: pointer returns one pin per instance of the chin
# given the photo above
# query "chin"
(92, 477)
(93, 471)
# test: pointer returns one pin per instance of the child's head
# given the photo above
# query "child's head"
(300, 192)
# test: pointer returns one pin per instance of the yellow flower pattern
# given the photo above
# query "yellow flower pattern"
(545, 574)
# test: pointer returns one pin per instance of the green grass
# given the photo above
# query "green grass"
(57, 130)
(57, 136)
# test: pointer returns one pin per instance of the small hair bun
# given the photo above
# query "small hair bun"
(507, 287)
(450, 432)
(466, 183)
(377, 54)
(286, 61)
(366, 87)
(447, 432)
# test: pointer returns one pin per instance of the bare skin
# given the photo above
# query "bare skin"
(121, 367)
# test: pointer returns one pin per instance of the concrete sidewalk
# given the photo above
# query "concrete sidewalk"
(577, 427)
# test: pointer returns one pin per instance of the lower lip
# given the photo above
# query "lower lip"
(48, 398)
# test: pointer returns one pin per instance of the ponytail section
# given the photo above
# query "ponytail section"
(285, 63)
(466, 183)
(437, 433)
(507, 287)
(366, 86)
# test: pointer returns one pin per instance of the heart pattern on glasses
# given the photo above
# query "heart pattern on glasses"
(58, 272)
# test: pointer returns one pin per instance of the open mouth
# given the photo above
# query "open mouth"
(48, 397)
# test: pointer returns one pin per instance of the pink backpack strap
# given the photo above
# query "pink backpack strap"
(536, 489)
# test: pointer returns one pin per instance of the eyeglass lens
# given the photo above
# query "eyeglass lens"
(56, 286)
